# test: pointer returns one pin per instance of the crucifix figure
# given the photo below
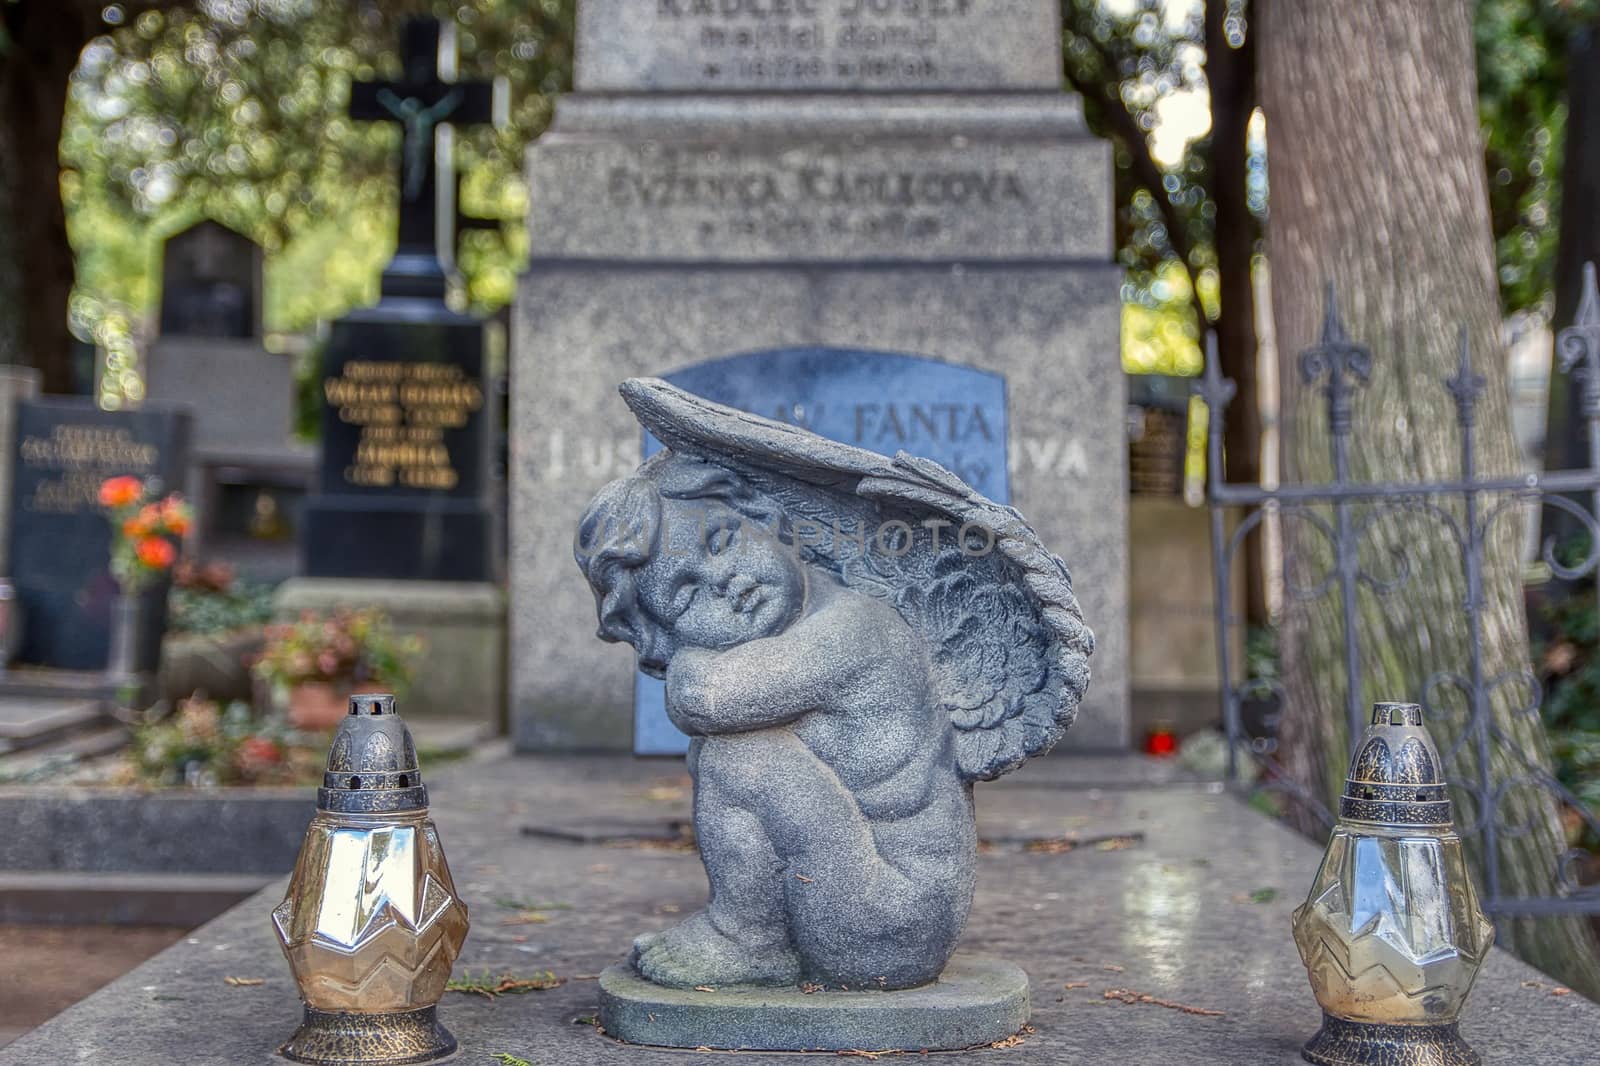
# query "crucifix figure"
(420, 103)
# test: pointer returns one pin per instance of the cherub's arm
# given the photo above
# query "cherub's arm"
(772, 680)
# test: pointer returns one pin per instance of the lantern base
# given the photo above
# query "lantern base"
(335, 1038)
(1345, 1043)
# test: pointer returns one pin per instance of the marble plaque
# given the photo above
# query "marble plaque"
(800, 45)
(928, 199)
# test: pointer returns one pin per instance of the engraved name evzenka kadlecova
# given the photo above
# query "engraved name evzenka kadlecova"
(851, 641)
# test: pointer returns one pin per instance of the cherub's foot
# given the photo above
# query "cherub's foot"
(698, 953)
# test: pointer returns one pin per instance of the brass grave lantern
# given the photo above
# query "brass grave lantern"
(1391, 933)
(372, 923)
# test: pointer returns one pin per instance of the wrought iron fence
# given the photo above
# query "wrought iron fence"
(1342, 511)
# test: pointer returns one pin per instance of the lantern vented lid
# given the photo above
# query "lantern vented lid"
(372, 767)
(1396, 777)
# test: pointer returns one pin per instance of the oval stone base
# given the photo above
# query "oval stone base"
(977, 1001)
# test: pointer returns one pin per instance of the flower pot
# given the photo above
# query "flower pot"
(127, 636)
(317, 705)
(138, 623)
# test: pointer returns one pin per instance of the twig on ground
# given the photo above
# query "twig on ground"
(1128, 995)
(490, 987)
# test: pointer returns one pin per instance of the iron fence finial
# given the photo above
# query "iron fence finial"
(1339, 363)
(1466, 386)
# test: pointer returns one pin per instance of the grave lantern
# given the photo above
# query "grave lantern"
(1391, 933)
(371, 924)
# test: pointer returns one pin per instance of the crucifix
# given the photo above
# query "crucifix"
(421, 103)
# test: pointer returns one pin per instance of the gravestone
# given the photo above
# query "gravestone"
(210, 283)
(403, 480)
(60, 541)
(209, 357)
(402, 489)
(830, 175)
(882, 401)
(403, 517)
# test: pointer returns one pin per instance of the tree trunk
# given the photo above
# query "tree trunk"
(1231, 80)
(1378, 188)
(45, 42)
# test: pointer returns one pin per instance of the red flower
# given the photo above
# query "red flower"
(259, 750)
(120, 491)
(155, 552)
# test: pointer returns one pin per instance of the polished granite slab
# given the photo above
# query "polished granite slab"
(1175, 891)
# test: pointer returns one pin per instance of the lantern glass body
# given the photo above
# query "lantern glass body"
(371, 922)
(1391, 931)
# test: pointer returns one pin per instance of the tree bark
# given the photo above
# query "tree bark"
(1378, 188)
(1231, 80)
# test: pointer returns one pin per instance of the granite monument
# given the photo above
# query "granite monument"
(851, 640)
(827, 176)
(60, 542)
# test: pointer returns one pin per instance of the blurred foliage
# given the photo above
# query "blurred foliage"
(1147, 58)
(1569, 667)
(215, 612)
(236, 110)
(1143, 61)
(1521, 46)
(203, 744)
(1262, 661)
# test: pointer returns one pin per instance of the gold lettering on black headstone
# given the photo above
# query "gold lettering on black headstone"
(84, 456)
(403, 410)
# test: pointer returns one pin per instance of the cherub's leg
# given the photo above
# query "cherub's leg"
(855, 915)
(742, 936)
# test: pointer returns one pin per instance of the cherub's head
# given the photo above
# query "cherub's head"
(686, 554)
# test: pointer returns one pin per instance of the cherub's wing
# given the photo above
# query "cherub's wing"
(1010, 647)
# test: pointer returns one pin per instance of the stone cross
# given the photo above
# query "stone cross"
(421, 102)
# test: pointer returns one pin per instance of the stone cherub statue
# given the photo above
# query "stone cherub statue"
(850, 641)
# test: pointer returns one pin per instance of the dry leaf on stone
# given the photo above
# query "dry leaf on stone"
(244, 982)
(704, 988)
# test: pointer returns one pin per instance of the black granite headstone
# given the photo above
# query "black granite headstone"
(210, 283)
(407, 423)
(407, 419)
(60, 540)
